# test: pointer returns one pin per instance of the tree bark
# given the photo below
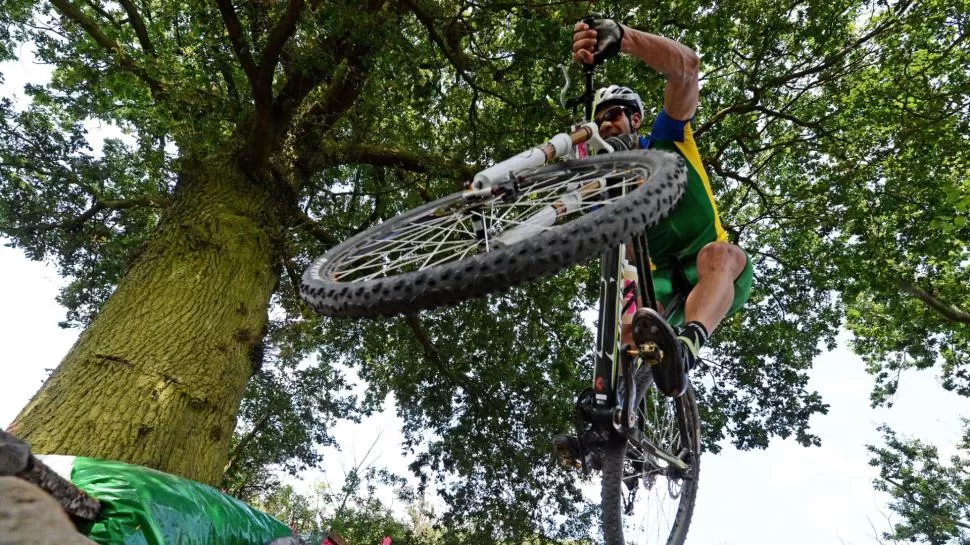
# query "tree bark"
(157, 377)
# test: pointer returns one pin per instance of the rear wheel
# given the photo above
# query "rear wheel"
(460, 247)
(650, 479)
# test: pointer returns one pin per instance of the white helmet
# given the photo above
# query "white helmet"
(615, 94)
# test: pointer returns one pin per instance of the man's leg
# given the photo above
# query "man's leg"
(719, 264)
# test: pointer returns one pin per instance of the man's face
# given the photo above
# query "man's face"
(616, 120)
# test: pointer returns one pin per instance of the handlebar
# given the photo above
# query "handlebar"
(586, 99)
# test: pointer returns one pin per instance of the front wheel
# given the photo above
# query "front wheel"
(460, 247)
(650, 479)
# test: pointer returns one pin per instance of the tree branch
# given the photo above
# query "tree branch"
(931, 510)
(414, 323)
(455, 58)
(234, 98)
(101, 11)
(750, 104)
(314, 228)
(739, 108)
(788, 117)
(248, 438)
(348, 490)
(766, 200)
(100, 206)
(831, 61)
(393, 157)
(948, 311)
(344, 88)
(125, 62)
(239, 45)
(346, 83)
(293, 274)
(139, 25)
(282, 32)
(778, 260)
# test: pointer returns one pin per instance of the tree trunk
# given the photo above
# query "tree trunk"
(156, 379)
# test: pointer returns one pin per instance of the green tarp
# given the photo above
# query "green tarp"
(142, 506)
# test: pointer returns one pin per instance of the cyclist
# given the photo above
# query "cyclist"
(720, 272)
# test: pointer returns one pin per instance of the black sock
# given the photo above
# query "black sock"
(694, 331)
(696, 335)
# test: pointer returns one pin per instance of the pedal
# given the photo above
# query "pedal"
(650, 353)
(654, 337)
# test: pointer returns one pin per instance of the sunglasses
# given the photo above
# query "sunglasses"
(611, 115)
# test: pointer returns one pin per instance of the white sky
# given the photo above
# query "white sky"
(786, 494)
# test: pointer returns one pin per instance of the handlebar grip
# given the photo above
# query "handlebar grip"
(588, 67)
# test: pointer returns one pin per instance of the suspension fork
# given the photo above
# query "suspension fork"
(607, 357)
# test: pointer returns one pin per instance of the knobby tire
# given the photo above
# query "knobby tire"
(498, 269)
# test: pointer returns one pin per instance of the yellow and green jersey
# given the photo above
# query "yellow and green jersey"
(695, 220)
(693, 223)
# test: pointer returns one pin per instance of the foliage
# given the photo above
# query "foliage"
(289, 408)
(905, 200)
(834, 134)
(351, 509)
(932, 498)
(489, 429)
(354, 512)
(290, 507)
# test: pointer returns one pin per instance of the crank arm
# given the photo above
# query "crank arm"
(638, 438)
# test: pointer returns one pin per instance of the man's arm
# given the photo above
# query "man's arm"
(677, 62)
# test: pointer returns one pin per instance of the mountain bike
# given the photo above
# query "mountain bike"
(522, 219)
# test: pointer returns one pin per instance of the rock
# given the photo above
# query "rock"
(28, 516)
(14, 454)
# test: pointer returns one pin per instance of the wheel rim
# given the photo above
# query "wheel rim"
(458, 229)
(661, 485)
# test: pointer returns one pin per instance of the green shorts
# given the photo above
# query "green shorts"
(664, 288)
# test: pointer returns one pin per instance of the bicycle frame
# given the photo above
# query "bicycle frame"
(603, 410)
(607, 364)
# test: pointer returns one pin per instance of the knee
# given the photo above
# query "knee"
(721, 258)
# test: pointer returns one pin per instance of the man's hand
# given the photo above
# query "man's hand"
(594, 43)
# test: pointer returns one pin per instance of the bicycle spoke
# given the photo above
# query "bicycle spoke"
(398, 250)
(432, 241)
(442, 223)
(403, 263)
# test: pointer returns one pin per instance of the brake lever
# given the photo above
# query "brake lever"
(565, 88)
